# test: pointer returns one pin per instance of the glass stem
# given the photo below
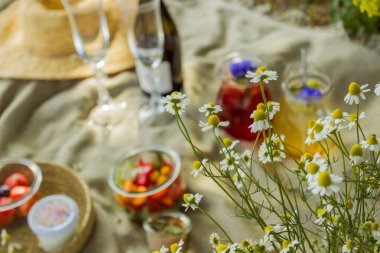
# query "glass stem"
(155, 96)
(100, 78)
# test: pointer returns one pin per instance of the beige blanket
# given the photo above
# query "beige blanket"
(47, 120)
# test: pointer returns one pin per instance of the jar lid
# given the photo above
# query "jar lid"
(54, 215)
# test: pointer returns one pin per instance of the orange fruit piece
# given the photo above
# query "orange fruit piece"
(129, 186)
(161, 179)
(154, 176)
(165, 170)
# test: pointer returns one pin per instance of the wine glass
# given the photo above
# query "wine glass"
(91, 39)
(146, 40)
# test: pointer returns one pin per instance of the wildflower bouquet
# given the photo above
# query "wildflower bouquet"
(325, 202)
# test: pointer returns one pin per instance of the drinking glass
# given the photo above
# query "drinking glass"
(91, 39)
(146, 40)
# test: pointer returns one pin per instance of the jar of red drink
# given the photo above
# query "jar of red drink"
(238, 96)
(148, 180)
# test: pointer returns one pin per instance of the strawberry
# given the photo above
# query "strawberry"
(144, 170)
(19, 192)
(6, 217)
(23, 210)
(16, 179)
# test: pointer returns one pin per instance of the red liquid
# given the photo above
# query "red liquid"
(238, 102)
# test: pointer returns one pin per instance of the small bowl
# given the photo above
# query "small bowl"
(29, 169)
(128, 185)
(167, 228)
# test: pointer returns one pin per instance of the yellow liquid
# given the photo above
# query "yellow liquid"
(291, 121)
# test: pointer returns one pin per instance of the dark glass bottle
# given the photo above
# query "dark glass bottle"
(170, 67)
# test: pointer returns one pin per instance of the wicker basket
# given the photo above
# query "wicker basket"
(59, 180)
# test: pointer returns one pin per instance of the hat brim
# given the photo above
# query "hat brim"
(17, 62)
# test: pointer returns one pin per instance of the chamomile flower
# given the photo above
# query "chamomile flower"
(213, 122)
(210, 108)
(353, 118)
(214, 240)
(321, 215)
(287, 246)
(267, 242)
(262, 74)
(238, 178)
(338, 119)
(348, 247)
(376, 236)
(356, 154)
(276, 149)
(314, 168)
(276, 229)
(325, 184)
(355, 91)
(176, 247)
(270, 109)
(162, 250)
(191, 200)
(260, 122)
(372, 143)
(318, 130)
(230, 161)
(4, 237)
(175, 102)
(228, 145)
(377, 89)
(198, 167)
(246, 156)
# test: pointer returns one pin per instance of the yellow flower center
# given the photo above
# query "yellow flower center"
(372, 140)
(312, 168)
(174, 93)
(213, 120)
(318, 127)
(349, 244)
(310, 123)
(349, 204)
(337, 114)
(174, 247)
(261, 69)
(311, 135)
(356, 150)
(186, 197)
(227, 142)
(374, 226)
(259, 115)
(155, 251)
(267, 229)
(244, 244)
(320, 212)
(285, 244)
(307, 157)
(324, 179)
(261, 106)
(221, 247)
(211, 103)
(276, 153)
(354, 89)
(196, 165)
(353, 117)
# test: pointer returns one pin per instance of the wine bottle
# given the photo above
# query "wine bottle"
(170, 67)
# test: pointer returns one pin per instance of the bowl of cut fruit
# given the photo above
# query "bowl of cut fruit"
(148, 180)
(20, 180)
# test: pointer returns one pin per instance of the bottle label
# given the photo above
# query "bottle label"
(146, 78)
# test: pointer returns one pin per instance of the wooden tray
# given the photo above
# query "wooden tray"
(57, 179)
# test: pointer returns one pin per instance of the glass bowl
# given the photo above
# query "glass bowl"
(18, 206)
(148, 180)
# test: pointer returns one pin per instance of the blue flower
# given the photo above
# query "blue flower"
(240, 68)
(308, 93)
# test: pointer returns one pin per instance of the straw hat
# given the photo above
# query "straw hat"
(36, 42)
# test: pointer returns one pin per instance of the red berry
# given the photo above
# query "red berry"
(23, 210)
(6, 217)
(16, 179)
(19, 192)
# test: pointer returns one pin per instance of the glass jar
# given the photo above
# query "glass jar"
(238, 96)
(305, 98)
